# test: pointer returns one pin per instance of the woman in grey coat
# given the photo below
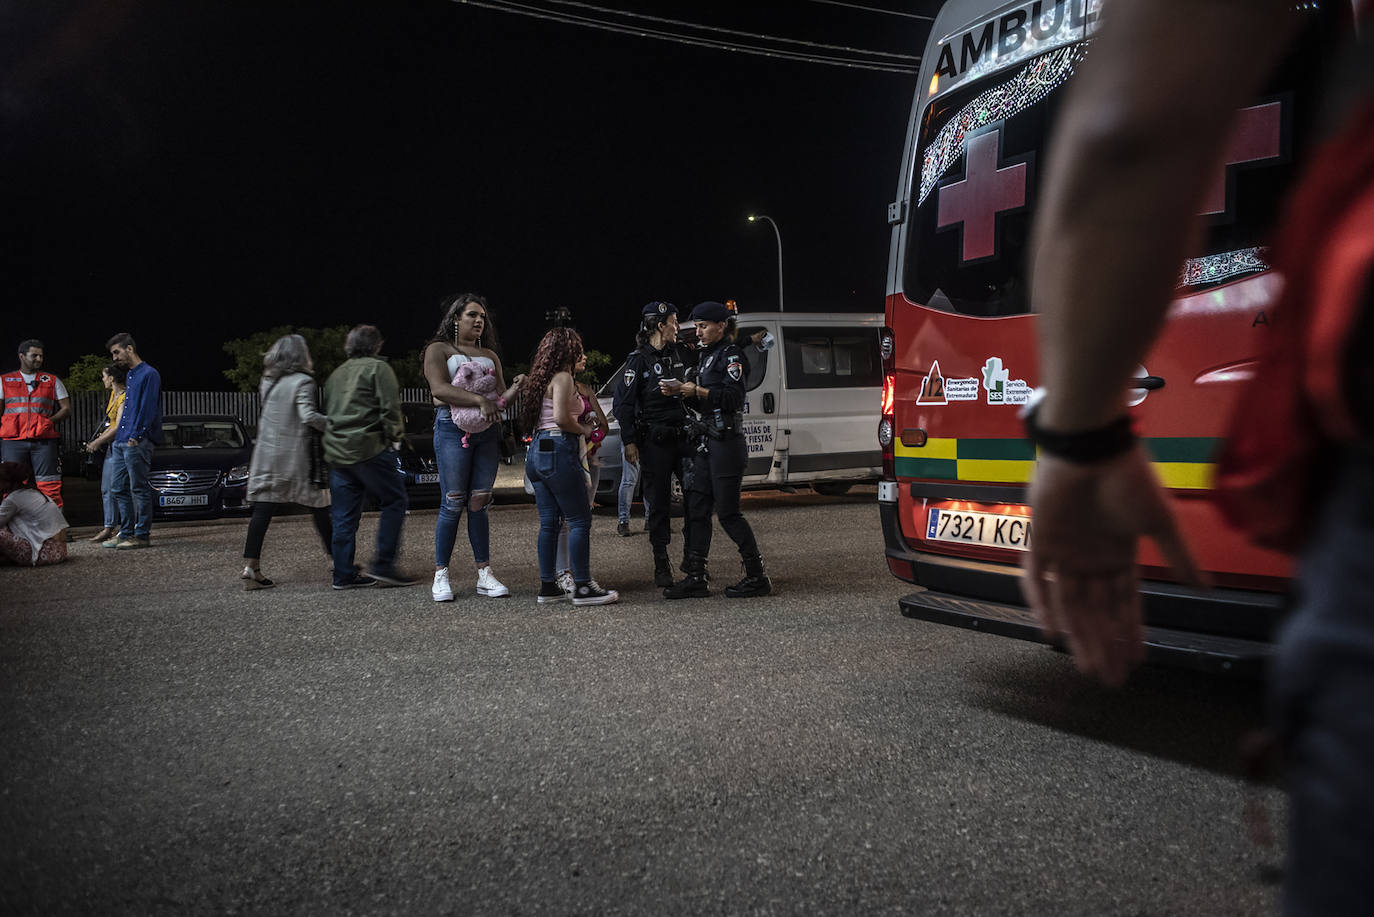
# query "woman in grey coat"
(280, 471)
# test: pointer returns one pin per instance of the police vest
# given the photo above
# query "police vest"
(28, 414)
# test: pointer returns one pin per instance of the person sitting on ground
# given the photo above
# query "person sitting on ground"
(33, 531)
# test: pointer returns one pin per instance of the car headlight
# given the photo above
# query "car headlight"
(236, 475)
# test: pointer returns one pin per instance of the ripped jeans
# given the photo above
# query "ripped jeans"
(466, 476)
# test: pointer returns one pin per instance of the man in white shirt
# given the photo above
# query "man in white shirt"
(33, 402)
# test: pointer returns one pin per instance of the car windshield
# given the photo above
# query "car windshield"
(201, 434)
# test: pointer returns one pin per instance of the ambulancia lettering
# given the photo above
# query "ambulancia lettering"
(1014, 35)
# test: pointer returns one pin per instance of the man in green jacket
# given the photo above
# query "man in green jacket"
(363, 401)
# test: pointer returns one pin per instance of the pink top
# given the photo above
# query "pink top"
(546, 421)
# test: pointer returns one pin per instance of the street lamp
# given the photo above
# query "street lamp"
(762, 216)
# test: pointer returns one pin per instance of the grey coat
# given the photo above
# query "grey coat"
(280, 470)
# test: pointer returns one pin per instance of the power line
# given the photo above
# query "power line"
(725, 31)
(677, 38)
(875, 9)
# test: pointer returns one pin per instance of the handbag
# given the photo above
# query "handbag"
(319, 468)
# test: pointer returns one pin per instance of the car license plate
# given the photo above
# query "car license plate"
(992, 530)
(427, 479)
(183, 500)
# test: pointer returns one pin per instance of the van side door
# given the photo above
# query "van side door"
(762, 413)
(833, 383)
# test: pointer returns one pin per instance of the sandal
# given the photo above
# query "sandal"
(253, 579)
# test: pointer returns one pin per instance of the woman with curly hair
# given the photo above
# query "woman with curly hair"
(554, 469)
(467, 472)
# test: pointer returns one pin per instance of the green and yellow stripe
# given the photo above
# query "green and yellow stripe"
(1182, 462)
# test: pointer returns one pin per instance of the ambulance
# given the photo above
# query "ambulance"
(959, 342)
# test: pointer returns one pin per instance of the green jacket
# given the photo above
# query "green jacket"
(363, 401)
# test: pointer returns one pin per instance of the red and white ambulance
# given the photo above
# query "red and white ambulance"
(959, 346)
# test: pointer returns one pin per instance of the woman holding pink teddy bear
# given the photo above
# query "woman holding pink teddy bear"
(463, 351)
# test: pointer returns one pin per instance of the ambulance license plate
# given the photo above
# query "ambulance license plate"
(991, 530)
(184, 500)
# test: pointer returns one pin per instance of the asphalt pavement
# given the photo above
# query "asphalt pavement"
(175, 745)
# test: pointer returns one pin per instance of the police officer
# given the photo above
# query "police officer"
(717, 470)
(652, 422)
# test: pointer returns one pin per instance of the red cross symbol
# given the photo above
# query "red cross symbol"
(984, 192)
(1254, 138)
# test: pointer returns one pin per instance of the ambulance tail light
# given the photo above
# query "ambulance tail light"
(887, 426)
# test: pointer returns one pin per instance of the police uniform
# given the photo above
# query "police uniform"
(716, 469)
(654, 422)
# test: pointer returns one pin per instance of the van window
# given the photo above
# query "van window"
(755, 358)
(968, 254)
(831, 358)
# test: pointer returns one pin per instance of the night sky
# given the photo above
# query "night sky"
(196, 171)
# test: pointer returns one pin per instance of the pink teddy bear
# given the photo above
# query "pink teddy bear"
(478, 379)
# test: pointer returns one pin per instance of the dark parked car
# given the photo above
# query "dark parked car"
(417, 451)
(201, 468)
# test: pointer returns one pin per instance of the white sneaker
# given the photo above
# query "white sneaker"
(567, 583)
(489, 585)
(441, 590)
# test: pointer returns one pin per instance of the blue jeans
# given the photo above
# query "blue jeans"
(466, 477)
(107, 469)
(380, 476)
(629, 477)
(133, 495)
(1323, 691)
(555, 472)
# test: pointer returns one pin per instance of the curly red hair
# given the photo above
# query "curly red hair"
(559, 351)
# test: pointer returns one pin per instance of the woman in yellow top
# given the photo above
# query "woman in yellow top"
(113, 376)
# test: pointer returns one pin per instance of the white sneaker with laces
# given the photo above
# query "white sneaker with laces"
(441, 590)
(567, 583)
(489, 585)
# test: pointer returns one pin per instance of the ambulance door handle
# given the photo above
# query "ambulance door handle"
(768, 403)
(1148, 383)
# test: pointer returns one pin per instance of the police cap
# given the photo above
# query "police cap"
(711, 312)
(659, 308)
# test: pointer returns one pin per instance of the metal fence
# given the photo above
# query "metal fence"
(88, 410)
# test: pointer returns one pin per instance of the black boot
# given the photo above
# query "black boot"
(693, 585)
(755, 582)
(663, 570)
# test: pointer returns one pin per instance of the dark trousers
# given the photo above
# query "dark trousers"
(713, 483)
(380, 476)
(262, 518)
(657, 462)
(1323, 688)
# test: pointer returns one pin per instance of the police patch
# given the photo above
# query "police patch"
(734, 370)
(658, 369)
(629, 377)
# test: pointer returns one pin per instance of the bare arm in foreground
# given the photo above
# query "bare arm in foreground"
(1132, 155)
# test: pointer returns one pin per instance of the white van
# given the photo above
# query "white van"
(812, 403)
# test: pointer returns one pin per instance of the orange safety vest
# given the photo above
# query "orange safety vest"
(28, 414)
